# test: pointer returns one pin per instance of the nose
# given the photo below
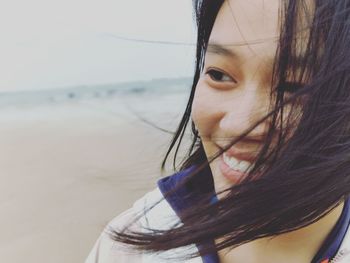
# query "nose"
(240, 112)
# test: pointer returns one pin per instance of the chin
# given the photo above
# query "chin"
(220, 181)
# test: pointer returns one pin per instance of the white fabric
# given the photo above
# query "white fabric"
(162, 216)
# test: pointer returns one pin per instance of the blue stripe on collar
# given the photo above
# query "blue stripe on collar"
(332, 243)
(185, 197)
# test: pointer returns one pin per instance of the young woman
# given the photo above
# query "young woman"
(267, 178)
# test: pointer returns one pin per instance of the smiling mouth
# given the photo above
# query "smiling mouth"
(236, 164)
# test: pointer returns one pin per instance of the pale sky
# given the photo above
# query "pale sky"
(50, 44)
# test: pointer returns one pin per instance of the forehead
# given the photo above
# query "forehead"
(248, 27)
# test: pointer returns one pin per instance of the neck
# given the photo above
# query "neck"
(297, 246)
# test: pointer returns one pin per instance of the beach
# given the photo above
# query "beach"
(70, 166)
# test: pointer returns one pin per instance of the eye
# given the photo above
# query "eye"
(219, 76)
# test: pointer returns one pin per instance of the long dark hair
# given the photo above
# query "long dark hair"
(306, 172)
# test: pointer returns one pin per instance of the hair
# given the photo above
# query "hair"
(306, 173)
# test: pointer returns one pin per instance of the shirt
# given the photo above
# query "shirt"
(187, 195)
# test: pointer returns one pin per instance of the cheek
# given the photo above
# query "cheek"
(204, 112)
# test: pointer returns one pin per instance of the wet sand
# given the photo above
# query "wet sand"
(68, 169)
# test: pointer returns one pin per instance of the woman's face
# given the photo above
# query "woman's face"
(234, 89)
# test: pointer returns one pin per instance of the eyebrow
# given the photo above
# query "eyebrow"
(222, 50)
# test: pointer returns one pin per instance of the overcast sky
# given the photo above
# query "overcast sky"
(49, 44)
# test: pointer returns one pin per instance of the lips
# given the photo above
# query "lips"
(236, 164)
(240, 155)
(234, 176)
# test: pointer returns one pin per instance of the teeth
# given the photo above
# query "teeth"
(236, 164)
(230, 161)
(243, 165)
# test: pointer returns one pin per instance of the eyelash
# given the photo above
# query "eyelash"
(211, 73)
(288, 87)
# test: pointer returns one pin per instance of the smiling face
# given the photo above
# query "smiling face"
(233, 91)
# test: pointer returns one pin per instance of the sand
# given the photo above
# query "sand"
(69, 168)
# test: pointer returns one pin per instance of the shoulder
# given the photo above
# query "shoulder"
(107, 250)
(160, 216)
